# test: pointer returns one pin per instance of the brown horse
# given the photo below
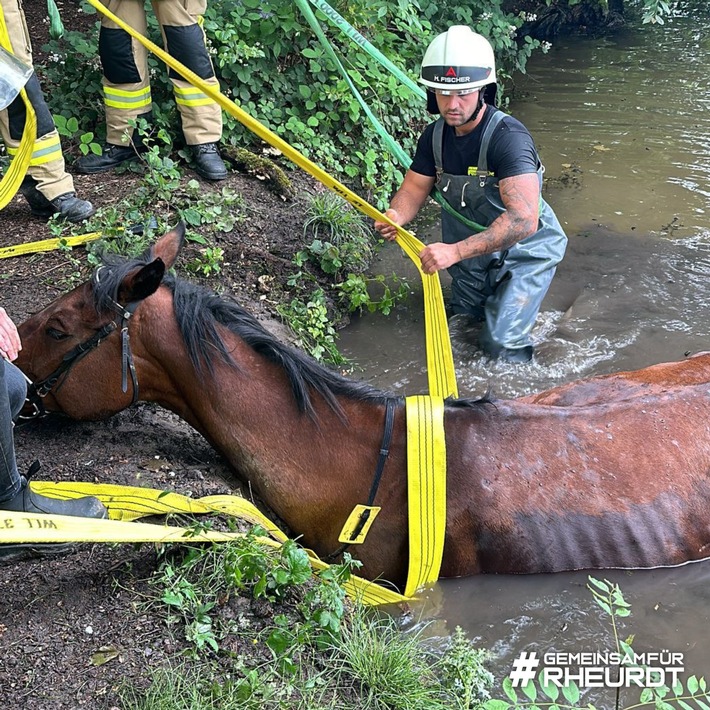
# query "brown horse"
(655, 379)
(619, 479)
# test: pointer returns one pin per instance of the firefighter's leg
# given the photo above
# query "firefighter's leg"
(126, 87)
(48, 187)
(201, 116)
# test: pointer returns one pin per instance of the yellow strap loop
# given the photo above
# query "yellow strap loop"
(127, 503)
(426, 478)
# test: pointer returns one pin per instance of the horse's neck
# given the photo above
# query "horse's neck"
(300, 465)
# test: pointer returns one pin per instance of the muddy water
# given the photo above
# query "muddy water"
(623, 127)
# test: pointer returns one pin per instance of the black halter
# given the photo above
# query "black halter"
(37, 390)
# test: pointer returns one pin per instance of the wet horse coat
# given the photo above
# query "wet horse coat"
(610, 472)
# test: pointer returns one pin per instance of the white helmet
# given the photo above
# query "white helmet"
(458, 59)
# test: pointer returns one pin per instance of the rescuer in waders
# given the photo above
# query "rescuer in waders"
(486, 167)
(126, 83)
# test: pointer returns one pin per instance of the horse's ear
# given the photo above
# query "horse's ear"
(141, 283)
(168, 246)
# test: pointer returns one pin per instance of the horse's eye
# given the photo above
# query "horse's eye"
(56, 334)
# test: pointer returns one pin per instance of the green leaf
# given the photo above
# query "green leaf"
(279, 641)
(172, 599)
(603, 605)
(509, 690)
(693, 685)
(571, 692)
(530, 690)
(626, 648)
(196, 238)
(551, 690)
(104, 655)
(192, 216)
(618, 598)
(603, 586)
(646, 695)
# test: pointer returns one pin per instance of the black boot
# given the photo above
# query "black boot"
(27, 501)
(67, 205)
(111, 157)
(208, 162)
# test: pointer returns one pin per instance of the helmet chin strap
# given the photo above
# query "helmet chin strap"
(479, 107)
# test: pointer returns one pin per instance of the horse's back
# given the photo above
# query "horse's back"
(655, 379)
(620, 483)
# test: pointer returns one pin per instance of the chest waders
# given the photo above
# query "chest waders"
(505, 289)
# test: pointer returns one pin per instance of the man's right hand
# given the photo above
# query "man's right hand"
(387, 230)
(10, 345)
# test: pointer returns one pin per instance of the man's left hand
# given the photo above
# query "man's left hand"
(439, 256)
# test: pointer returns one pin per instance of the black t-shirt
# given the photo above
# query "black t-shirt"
(511, 150)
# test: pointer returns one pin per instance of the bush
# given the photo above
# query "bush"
(270, 62)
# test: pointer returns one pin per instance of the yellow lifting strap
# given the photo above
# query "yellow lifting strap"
(10, 183)
(127, 504)
(440, 366)
(426, 478)
(47, 245)
(426, 491)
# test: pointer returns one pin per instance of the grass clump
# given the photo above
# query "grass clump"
(260, 630)
(342, 241)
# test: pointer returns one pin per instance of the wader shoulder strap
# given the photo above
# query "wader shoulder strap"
(482, 171)
(437, 140)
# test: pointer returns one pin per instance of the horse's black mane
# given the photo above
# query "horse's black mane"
(199, 311)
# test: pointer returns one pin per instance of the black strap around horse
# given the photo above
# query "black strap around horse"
(37, 390)
(381, 460)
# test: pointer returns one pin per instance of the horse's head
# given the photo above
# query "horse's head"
(76, 350)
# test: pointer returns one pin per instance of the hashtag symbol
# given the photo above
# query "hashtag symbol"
(524, 668)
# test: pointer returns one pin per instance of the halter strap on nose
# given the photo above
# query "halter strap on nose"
(37, 390)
